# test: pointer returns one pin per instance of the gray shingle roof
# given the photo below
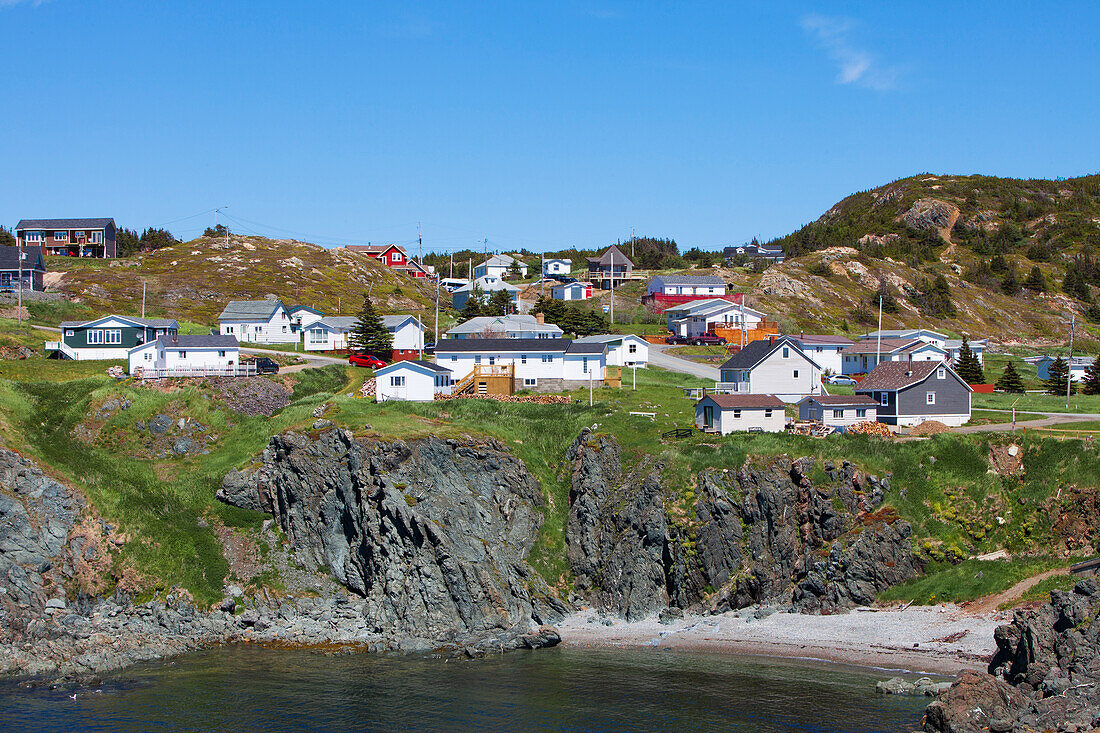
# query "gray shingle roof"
(759, 350)
(198, 342)
(745, 401)
(63, 223)
(612, 251)
(481, 324)
(889, 346)
(587, 348)
(439, 368)
(32, 260)
(147, 322)
(249, 310)
(689, 280)
(337, 323)
(532, 346)
(815, 339)
(838, 400)
(890, 376)
(391, 322)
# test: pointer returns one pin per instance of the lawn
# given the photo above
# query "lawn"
(969, 580)
(1032, 402)
(988, 417)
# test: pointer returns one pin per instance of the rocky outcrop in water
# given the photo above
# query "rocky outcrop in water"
(1045, 675)
(433, 534)
(758, 534)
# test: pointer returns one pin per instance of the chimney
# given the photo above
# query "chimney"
(540, 318)
(771, 339)
(909, 372)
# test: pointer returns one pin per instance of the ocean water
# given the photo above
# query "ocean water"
(255, 689)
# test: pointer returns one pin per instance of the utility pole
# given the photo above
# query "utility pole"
(542, 275)
(451, 275)
(612, 253)
(216, 210)
(1069, 372)
(878, 346)
(436, 312)
(420, 239)
(631, 243)
(19, 302)
(143, 299)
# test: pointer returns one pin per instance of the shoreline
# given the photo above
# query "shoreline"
(918, 640)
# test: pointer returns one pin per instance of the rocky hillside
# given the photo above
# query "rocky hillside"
(192, 281)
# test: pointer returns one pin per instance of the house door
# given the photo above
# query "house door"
(708, 416)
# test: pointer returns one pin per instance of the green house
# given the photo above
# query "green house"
(109, 337)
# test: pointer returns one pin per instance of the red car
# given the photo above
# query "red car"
(366, 360)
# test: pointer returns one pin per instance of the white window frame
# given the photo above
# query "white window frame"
(183, 355)
(786, 352)
(397, 380)
(838, 414)
(68, 332)
(930, 398)
(737, 414)
(454, 357)
(795, 374)
(768, 412)
(32, 236)
(477, 359)
(632, 349)
(61, 236)
(884, 399)
(148, 355)
(941, 373)
(547, 358)
(584, 365)
(861, 412)
(95, 337)
(318, 336)
(523, 358)
(530, 381)
(95, 237)
(112, 336)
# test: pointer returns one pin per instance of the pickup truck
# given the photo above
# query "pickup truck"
(706, 339)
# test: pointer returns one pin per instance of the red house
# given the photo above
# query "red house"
(392, 256)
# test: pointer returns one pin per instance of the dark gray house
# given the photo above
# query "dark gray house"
(911, 392)
(34, 268)
(69, 237)
(610, 268)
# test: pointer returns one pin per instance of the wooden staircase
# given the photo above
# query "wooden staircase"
(491, 379)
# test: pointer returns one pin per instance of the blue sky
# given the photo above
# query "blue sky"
(539, 125)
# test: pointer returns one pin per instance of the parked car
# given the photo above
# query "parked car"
(264, 365)
(840, 379)
(366, 360)
(429, 348)
(706, 339)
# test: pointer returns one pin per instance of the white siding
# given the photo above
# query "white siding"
(827, 357)
(776, 375)
(409, 336)
(827, 414)
(771, 420)
(631, 351)
(143, 356)
(415, 385)
(275, 330)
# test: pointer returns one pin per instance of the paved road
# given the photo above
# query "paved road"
(658, 357)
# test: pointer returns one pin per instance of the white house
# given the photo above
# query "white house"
(411, 381)
(407, 333)
(924, 334)
(508, 327)
(303, 316)
(863, 356)
(556, 267)
(258, 321)
(700, 316)
(625, 349)
(547, 364)
(838, 410)
(331, 333)
(500, 266)
(486, 285)
(701, 286)
(571, 291)
(825, 350)
(1077, 367)
(187, 356)
(732, 413)
(773, 366)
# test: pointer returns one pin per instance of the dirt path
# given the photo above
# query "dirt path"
(989, 604)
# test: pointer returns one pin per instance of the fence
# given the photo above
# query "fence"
(1063, 433)
(678, 433)
(241, 370)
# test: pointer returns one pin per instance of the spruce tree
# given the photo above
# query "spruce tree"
(1035, 281)
(1091, 383)
(968, 367)
(475, 305)
(1057, 375)
(369, 335)
(1010, 380)
(500, 302)
(1010, 285)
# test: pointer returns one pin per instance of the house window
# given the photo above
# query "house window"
(113, 336)
(786, 352)
(68, 332)
(530, 381)
(523, 358)
(454, 357)
(148, 356)
(228, 329)
(767, 413)
(397, 381)
(221, 354)
(183, 354)
(838, 413)
(884, 398)
(796, 374)
(95, 336)
(861, 412)
(584, 364)
(930, 398)
(33, 236)
(941, 373)
(317, 336)
(736, 414)
(492, 360)
(95, 237)
(395, 257)
(284, 329)
(547, 358)
(477, 359)
(61, 236)
(632, 349)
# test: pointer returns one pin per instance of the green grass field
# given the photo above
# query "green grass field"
(971, 579)
(1036, 402)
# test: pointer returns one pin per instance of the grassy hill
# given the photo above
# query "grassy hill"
(192, 281)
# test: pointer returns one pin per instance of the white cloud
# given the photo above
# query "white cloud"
(855, 66)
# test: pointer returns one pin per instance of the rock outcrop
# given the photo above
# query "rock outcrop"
(433, 534)
(759, 534)
(931, 215)
(1045, 675)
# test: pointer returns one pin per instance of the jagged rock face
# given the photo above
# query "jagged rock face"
(36, 516)
(1044, 676)
(759, 534)
(931, 215)
(434, 534)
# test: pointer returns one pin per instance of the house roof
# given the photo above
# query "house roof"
(32, 259)
(709, 306)
(839, 400)
(516, 346)
(147, 322)
(889, 346)
(487, 284)
(689, 280)
(414, 364)
(557, 259)
(501, 261)
(745, 401)
(250, 309)
(63, 223)
(373, 249)
(814, 339)
(481, 324)
(336, 323)
(891, 376)
(1076, 361)
(902, 333)
(395, 322)
(607, 338)
(208, 341)
(296, 308)
(758, 350)
(957, 343)
(605, 258)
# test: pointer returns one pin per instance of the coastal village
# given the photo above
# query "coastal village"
(765, 380)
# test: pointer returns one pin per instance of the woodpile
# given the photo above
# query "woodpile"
(536, 399)
(367, 390)
(871, 427)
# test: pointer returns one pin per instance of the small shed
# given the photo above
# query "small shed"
(838, 410)
(412, 381)
(731, 413)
